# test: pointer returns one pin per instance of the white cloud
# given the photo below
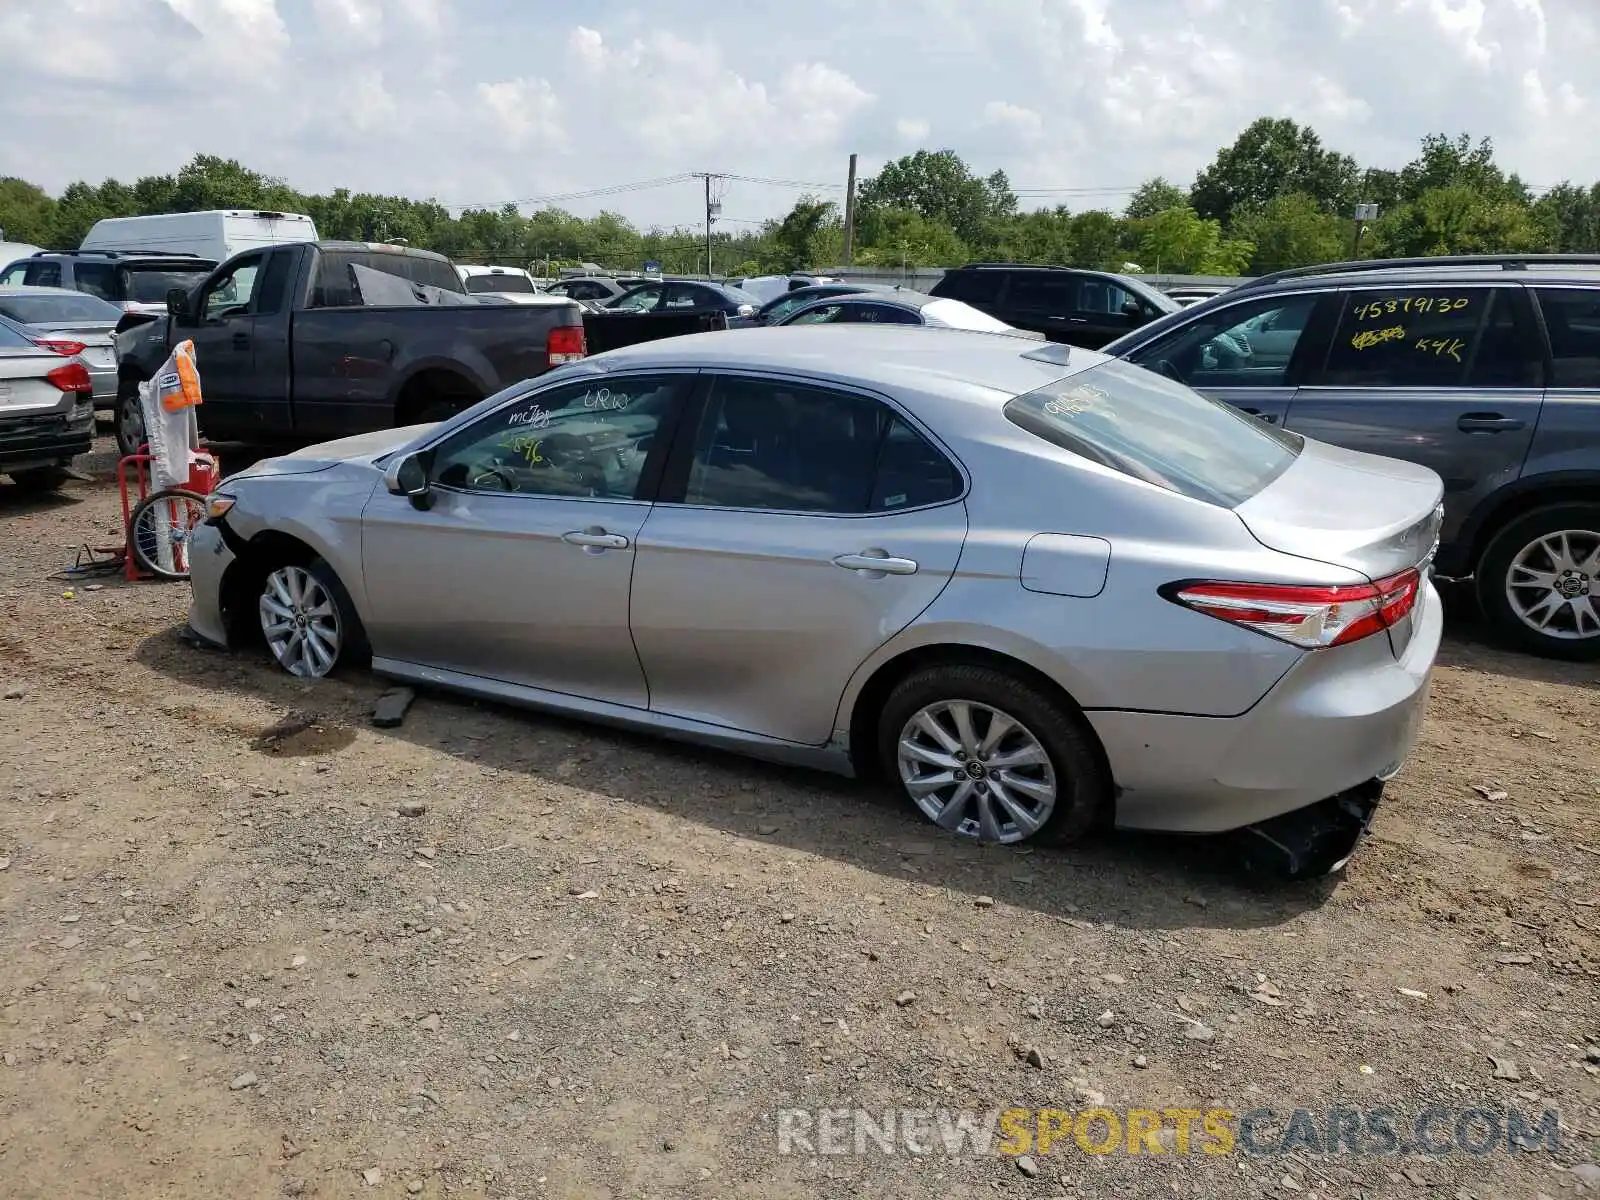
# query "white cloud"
(1022, 122)
(359, 20)
(526, 112)
(909, 129)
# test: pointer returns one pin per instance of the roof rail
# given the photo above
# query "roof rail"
(1025, 266)
(116, 253)
(1506, 262)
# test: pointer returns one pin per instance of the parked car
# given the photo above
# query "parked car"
(687, 295)
(906, 308)
(780, 306)
(212, 235)
(72, 323)
(479, 279)
(1036, 589)
(291, 350)
(1066, 304)
(46, 413)
(589, 287)
(1485, 369)
(135, 283)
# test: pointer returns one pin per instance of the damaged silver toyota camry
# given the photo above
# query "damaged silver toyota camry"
(1036, 590)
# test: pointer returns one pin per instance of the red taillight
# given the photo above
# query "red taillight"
(73, 377)
(565, 344)
(1310, 617)
(61, 345)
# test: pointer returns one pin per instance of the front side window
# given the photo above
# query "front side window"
(1405, 337)
(229, 295)
(778, 309)
(1242, 345)
(14, 275)
(587, 440)
(770, 444)
(43, 274)
(1572, 318)
(822, 314)
(1156, 429)
(683, 298)
(639, 300)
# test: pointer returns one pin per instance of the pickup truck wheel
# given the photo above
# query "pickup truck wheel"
(1539, 582)
(40, 479)
(129, 418)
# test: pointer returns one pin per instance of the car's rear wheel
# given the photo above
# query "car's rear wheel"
(984, 754)
(129, 418)
(308, 621)
(1539, 581)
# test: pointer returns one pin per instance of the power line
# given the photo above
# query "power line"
(605, 190)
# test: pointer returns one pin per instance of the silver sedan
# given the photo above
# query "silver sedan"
(1036, 589)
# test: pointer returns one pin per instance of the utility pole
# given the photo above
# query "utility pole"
(708, 226)
(1364, 213)
(850, 214)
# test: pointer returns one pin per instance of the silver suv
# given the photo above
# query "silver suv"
(1485, 368)
(135, 282)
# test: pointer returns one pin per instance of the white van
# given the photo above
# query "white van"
(11, 252)
(479, 280)
(216, 235)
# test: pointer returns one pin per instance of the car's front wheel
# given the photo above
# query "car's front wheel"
(129, 418)
(987, 755)
(1539, 581)
(308, 621)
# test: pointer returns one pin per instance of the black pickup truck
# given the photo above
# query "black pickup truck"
(311, 341)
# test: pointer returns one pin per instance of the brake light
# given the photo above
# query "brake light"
(61, 345)
(72, 377)
(1309, 617)
(565, 344)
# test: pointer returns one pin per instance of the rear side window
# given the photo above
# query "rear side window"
(97, 279)
(1041, 291)
(1157, 430)
(1406, 337)
(975, 287)
(1572, 318)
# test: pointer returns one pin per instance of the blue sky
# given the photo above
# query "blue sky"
(483, 101)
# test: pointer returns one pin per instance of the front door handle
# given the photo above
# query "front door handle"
(1487, 423)
(1269, 418)
(241, 341)
(875, 563)
(595, 538)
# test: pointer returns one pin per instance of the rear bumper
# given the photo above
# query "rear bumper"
(1335, 721)
(46, 439)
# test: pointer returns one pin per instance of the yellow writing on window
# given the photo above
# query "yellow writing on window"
(1374, 309)
(1439, 347)
(1369, 338)
(525, 446)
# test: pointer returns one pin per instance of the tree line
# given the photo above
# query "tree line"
(1276, 197)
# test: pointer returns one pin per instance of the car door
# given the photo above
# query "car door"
(1046, 302)
(1103, 311)
(687, 297)
(1448, 376)
(223, 333)
(799, 528)
(1247, 354)
(519, 571)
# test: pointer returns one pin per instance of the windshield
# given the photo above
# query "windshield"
(1155, 429)
(69, 306)
(478, 284)
(150, 285)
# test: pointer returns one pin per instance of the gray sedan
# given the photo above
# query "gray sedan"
(72, 323)
(1035, 588)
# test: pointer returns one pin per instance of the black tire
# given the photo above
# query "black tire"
(184, 510)
(128, 418)
(1082, 783)
(40, 479)
(353, 648)
(1492, 580)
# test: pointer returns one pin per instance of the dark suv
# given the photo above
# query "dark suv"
(134, 282)
(1085, 308)
(1485, 368)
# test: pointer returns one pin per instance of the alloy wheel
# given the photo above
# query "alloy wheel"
(976, 771)
(1552, 583)
(300, 620)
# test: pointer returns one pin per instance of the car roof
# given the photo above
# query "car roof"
(889, 358)
(1443, 269)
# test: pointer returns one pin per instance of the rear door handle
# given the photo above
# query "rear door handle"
(241, 341)
(875, 563)
(595, 538)
(1487, 423)
(1269, 418)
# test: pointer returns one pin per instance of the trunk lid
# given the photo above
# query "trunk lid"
(1375, 515)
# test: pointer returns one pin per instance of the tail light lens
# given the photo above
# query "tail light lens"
(61, 345)
(72, 377)
(565, 344)
(1309, 617)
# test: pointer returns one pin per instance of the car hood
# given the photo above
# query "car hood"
(361, 450)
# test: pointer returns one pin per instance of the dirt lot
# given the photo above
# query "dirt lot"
(599, 965)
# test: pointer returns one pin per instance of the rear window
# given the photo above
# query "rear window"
(150, 285)
(479, 284)
(69, 306)
(1152, 428)
(334, 288)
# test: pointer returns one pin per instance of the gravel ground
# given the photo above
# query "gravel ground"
(597, 965)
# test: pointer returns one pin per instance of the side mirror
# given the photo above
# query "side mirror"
(177, 303)
(407, 476)
(1131, 308)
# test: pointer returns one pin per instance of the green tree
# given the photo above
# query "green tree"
(1044, 236)
(938, 186)
(896, 237)
(1292, 230)
(1457, 219)
(1153, 196)
(1273, 156)
(800, 239)
(1096, 240)
(1568, 217)
(1180, 241)
(27, 212)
